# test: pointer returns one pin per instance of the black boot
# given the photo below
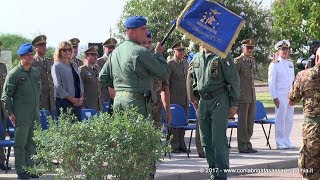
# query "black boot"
(23, 175)
(3, 167)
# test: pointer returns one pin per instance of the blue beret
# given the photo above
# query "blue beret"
(149, 34)
(24, 49)
(135, 22)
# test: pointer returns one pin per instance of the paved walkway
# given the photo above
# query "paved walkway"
(184, 168)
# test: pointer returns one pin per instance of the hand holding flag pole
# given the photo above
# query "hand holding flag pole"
(169, 32)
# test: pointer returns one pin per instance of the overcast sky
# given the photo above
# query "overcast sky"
(89, 20)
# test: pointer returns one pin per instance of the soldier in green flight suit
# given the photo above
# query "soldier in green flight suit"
(131, 68)
(217, 83)
(21, 98)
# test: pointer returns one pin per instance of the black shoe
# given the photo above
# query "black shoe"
(33, 176)
(253, 150)
(202, 155)
(23, 176)
(184, 150)
(3, 167)
(175, 151)
(245, 151)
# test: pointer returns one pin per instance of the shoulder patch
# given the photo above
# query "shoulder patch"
(275, 61)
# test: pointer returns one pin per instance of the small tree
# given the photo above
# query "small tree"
(123, 145)
(297, 21)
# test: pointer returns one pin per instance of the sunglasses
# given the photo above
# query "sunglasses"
(249, 47)
(284, 48)
(65, 50)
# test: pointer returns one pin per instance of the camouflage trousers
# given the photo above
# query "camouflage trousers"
(309, 161)
(156, 112)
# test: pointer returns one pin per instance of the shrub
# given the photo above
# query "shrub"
(124, 145)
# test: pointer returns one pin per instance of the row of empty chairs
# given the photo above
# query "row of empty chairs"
(260, 117)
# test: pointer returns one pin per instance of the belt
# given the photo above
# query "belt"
(212, 94)
(312, 120)
(139, 95)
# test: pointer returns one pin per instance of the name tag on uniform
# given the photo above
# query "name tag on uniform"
(23, 79)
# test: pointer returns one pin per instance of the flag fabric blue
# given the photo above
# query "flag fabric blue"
(210, 24)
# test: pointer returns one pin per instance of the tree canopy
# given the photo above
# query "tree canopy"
(160, 13)
(297, 21)
(13, 41)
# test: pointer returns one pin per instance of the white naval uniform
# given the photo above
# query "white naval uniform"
(280, 78)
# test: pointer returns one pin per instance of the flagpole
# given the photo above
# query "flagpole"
(168, 33)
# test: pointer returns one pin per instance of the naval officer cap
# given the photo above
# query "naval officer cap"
(135, 22)
(149, 34)
(281, 44)
(42, 39)
(24, 49)
(91, 50)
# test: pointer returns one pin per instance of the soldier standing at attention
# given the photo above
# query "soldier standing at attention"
(89, 74)
(306, 86)
(21, 98)
(44, 65)
(194, 99)
(131, 68)
(246, 67)
(108, 46)
(75, 44)
(178, 69)
(280, 78)
(3, 114)
(161, 89)
(216, 81)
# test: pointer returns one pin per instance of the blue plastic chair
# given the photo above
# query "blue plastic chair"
(105, 107)
(192, 115)
(44, 114)
(180, 121)
(6, 144)
(260, 117)
(87, 113)
(231, 125)
(10, 128)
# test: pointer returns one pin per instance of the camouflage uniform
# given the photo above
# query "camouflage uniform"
(306, 86)
(157, 104)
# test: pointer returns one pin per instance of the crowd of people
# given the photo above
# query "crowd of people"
(133, 74)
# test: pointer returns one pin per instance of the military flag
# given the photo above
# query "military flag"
(211, 24)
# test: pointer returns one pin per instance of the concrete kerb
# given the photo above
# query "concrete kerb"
(290, 163)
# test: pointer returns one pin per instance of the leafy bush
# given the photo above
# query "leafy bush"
(123, 145)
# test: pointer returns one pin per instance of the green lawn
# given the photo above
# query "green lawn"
(267, 102)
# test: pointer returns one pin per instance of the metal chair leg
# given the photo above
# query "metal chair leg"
(189, 143)
(267, 138)
(7, 160)
(230, 138)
